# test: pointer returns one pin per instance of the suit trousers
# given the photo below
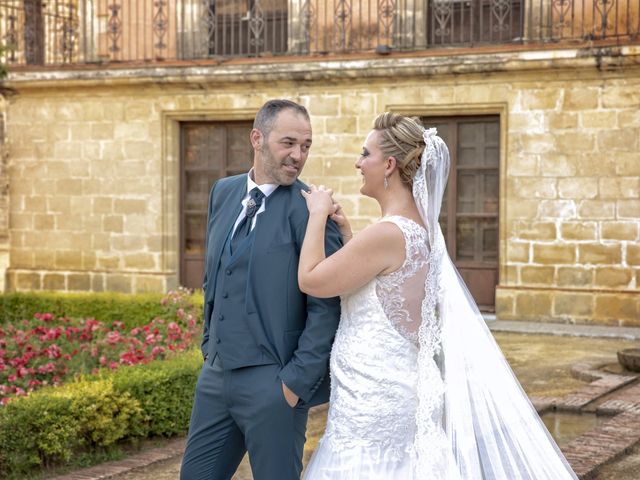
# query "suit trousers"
(238, 411)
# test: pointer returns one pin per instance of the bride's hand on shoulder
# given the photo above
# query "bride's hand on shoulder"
(319, 200)
(340, 217)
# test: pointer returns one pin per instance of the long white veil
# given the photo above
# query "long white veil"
(473, 420)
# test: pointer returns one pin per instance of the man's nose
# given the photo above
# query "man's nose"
(296, 153)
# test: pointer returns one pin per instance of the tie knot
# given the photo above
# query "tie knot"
(255, 200)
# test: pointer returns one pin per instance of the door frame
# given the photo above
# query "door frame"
(170, 185)
(500, 109)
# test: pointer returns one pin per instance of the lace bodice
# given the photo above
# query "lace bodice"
(374, 356)
(401, 292)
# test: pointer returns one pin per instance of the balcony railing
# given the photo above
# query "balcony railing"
(55, 32)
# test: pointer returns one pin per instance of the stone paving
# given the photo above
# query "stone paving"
(599, 446)
(609, 394)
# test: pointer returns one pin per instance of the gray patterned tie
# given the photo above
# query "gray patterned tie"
(244, 227)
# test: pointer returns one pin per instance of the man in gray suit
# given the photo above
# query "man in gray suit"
(266, 344)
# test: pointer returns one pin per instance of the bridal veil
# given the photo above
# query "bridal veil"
(473, 420)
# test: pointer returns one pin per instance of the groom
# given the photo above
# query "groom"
(266, 344)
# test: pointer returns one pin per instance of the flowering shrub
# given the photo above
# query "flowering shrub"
(46, 350)
(52, 425)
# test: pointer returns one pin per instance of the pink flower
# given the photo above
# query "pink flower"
(53, 351)
(114, 337)
(47, 368)
(157, 351)
(45, 317)
(54, 333)
(103, 360)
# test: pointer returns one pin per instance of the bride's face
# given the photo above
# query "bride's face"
(371, 164)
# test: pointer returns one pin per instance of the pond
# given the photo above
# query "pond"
(565, 426)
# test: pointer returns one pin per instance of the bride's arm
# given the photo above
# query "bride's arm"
(377, 249)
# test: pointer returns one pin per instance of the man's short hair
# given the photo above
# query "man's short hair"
(269, 111)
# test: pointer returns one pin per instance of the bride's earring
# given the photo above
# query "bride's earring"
(386, 183)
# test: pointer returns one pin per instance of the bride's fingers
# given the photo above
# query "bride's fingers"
(323, 188)
(336, 217)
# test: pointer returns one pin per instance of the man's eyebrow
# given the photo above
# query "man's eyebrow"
(293, 139)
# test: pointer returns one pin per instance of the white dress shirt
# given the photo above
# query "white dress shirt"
(266, 188)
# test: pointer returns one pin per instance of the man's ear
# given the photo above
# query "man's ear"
(257, 139)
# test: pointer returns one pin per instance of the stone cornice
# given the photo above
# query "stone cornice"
(365, 66)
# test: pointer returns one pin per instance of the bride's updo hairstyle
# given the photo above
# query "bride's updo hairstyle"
(401, 138)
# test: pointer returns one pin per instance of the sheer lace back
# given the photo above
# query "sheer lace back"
(401, 292)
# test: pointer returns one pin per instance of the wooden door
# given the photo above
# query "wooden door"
(209, 151)
(469, 216)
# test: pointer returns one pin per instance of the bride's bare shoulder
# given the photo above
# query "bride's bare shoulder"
(383, 230)
(381, 236)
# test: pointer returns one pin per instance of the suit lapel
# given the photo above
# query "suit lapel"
(224, 223)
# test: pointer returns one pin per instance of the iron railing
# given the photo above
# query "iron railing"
(54, 32)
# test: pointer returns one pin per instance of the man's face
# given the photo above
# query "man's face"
(281, 156)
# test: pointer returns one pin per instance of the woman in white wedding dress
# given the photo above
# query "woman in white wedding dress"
(420, 391)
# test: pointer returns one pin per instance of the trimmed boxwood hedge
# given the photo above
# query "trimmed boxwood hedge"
(49, 426)
(133, 310)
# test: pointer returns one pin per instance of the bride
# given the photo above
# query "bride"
(419, 388)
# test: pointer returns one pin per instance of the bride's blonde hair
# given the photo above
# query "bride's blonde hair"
(401, 138)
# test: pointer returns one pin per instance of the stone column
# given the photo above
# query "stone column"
(538, 22)
(4, 198)
(298, 22)
(409, 23)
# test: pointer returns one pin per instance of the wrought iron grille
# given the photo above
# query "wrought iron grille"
(55, 32)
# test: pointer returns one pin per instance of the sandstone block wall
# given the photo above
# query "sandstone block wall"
(94, 180)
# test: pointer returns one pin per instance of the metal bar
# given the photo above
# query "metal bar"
(616, 18)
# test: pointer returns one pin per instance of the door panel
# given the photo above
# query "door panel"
(469, 216)
(209, 151)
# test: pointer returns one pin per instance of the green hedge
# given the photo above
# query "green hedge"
(49, 426)
(133, 310)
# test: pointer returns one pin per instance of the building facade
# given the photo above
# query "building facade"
(118, 130)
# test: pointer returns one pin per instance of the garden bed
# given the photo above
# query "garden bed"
(75, 385)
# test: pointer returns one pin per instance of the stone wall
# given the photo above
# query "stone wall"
(4, 196)
(93, 169)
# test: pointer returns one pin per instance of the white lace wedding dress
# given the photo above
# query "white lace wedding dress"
(371, 421)
(420, 390)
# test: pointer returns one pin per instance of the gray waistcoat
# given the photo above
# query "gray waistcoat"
(232, 340)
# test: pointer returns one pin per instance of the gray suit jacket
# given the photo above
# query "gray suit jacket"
(295, 329)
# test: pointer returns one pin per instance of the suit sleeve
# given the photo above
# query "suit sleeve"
(208, 305)
(309, 364)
